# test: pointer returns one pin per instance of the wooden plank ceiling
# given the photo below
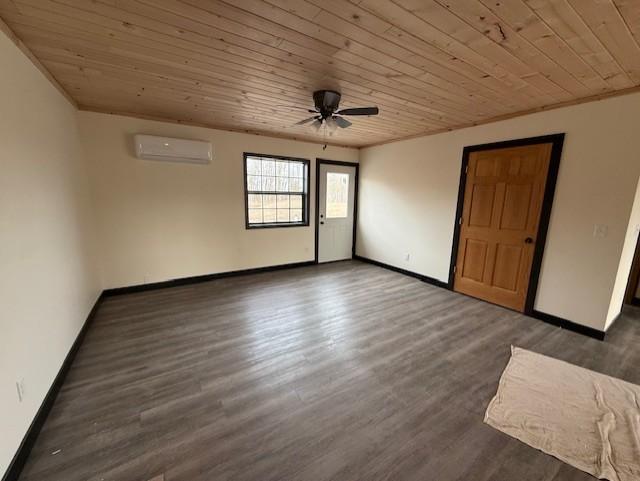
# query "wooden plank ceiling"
(251, 65)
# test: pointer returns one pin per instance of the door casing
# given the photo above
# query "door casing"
(557, 141)
(634, 278)
(355, 200)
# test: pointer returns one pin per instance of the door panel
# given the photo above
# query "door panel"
(515, 211)
(505, 269)
(501, 212)
(482, 205)
(475, 259)
(336, 195)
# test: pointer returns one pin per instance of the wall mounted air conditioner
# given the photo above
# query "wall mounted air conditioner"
(151, 147)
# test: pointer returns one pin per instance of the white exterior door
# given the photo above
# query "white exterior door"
(336, 212)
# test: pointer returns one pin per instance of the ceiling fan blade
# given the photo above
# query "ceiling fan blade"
(305, 121)
(317, 124)
(342, 123)
(291, 108)
(359, 111)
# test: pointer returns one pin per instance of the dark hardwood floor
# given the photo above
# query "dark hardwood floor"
(343, 371)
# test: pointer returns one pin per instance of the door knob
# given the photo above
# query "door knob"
(321, 222)
(528, 240)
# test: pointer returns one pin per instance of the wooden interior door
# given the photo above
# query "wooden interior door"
(502, 204)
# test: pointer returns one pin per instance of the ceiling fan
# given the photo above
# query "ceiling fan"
(327, 113)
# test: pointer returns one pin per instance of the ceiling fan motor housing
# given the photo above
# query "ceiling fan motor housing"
(326, 101)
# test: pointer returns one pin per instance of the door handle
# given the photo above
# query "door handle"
(528, 240)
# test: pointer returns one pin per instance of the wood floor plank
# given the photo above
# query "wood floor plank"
(331, 372)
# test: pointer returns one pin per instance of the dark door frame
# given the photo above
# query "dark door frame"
(355, 200)
(634, 278)
(557, 141)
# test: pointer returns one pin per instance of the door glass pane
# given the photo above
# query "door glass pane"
(337, 195)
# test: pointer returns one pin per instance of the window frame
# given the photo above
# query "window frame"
(305, 192)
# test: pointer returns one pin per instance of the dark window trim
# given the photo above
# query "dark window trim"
(557, 141)
(305, 193)
(355, 200)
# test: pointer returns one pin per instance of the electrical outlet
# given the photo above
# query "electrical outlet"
(20, 389)
(407, 257)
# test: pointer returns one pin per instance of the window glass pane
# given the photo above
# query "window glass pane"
(283, 202)
(282, 184)
(269, 201)
(268, 167)
(283, 215)
(295, 185)
(255, 201)
(268, 215)
(254, 166)
(254, 183)
(255, 216)
(282, 169)
(295, 215)
(296, 169)
(269, 184)
(295, 202)
(337, 195)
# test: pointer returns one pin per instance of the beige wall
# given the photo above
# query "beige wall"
(161, 220)
(408, 195)
(49, 282)
(626, 260)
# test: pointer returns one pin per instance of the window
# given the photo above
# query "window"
(337, 195)
(276, 191)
